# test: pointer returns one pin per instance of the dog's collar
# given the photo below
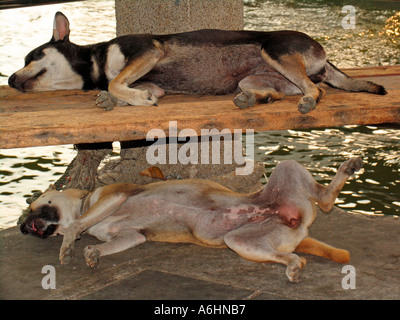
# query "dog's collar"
(83, 199)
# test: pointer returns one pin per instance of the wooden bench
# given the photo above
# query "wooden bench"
(71, 117)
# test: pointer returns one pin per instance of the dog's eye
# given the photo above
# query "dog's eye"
(34, 56)
(49, 201)
(38, 55)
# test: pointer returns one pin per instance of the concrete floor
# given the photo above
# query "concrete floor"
(184, 271)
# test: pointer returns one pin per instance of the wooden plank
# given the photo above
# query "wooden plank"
(70, 117)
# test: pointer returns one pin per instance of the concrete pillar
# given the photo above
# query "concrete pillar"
(173, 16)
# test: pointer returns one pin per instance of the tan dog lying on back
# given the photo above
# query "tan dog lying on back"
(265, 226)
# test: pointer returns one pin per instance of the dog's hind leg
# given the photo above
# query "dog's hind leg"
(299, 178)
(270, 242)
(326, 196)
(320, 249)
(292, 66)
(120, 242)
(258, 88)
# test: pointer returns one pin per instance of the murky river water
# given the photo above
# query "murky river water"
(374, 41)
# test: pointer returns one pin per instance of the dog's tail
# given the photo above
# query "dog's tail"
(338, 79)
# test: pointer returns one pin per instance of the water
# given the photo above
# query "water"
(375, 190)
(26, 170)
(370, 43)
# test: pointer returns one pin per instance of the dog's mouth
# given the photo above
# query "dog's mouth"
(41, 232)
(42, 222)
(24, 84)
(38, 228)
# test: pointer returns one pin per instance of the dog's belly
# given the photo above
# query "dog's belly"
(167, 221)
(206, 69)
(181, 214)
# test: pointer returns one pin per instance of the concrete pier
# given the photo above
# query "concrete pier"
(183, 271)
(173, 16)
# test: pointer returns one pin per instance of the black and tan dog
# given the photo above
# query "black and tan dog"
(265, 226)
(139, 69)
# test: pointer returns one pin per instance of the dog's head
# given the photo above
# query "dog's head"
(50, 214)
(52, 66)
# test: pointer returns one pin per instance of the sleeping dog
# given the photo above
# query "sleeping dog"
(139, 69)
(265, 226)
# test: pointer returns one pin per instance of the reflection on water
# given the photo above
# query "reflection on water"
(392, 28)
(373, 42)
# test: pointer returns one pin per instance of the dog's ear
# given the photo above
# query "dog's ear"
(60, 27)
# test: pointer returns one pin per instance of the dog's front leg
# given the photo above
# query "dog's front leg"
(134, 70)
(107, 101)
(122, 240)
(102, 209)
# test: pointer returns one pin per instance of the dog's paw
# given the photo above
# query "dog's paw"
(106, 101)
(144, 98)
(66, 254)
(293, 274)
(92, 256)
(306, 104)
(351, 166)
(67, 246)
(293, 269)
(152, 99)
(245, 99)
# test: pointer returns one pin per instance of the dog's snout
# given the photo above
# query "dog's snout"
(12, 80)
(23, 228)
(15, 82)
